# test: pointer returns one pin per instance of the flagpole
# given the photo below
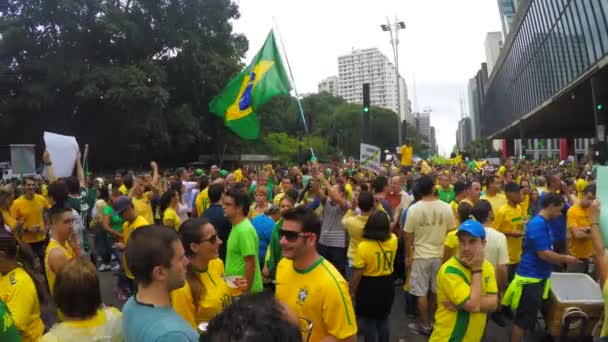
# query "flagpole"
(293, 84)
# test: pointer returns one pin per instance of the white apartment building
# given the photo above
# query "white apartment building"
(373, 67)
(493, 45)
(329, 85)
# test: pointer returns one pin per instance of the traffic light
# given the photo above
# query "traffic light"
(366, 104)
(600, 106)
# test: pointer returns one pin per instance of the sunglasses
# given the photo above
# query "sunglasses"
(211, 240)
(292, 236)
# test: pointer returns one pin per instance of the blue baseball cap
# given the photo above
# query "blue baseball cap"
(474, 228)
(121, 204)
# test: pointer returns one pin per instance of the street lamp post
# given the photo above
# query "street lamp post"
(390, 28)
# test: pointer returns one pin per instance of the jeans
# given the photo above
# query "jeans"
(103, 246)
(373, 330)
(335, 255)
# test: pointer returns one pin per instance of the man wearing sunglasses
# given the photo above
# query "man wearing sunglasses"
(311, 285)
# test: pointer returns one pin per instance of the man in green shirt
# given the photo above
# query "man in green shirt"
(8, 331)
(445, 190)
(243, 244)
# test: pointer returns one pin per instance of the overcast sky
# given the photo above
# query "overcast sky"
(442, 46)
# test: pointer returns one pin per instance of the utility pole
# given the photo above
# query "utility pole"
(393, 30)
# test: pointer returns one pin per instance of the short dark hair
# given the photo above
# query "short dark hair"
(215, 192)
(292, 193)
(366, 201)
(425, 185)
(306, 217)
(58, 191)
(377, 227)
(470, 183)
(552, 199)
(481, 210)
(254, 318)
(57, 210)
(590, 189)
(128, 181)
(241, 199)
(28, 178)
(147, 248)
(460, 187)
(380, 183)
(76, 292)
(73, 184)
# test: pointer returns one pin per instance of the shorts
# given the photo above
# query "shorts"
(530, 303)
(424, 275)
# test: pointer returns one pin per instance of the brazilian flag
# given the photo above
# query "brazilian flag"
(264, 78)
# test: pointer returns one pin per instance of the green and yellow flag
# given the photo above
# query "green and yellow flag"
(264, 78)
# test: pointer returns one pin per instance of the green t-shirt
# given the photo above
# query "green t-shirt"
(242, 242)
(446, 196)
(115, 220)
(8, 331)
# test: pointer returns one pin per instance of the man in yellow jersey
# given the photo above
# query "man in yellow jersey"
(510, 220)
(473, 192)
(123, 206)
(497, 200)
(29, 208)
(354, 223)
(525, 197)
(579, 230)
(201, 202)
(460, 194)
(466, 289)
(63, 245)
(142, 200)
(407, 154)
(286, 185)
(310, 285)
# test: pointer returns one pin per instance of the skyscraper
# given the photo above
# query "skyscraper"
(423, 125)
(373, 67)
(507, 9)
(493, 45)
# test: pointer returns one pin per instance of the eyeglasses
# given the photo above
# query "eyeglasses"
(211, 240)
(292, 236)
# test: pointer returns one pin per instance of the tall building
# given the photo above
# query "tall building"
(507, 9)
(423, 125)
(493, 45)
(463, 133)
(433, 142)
(373, 67)
(477, 90)
(329, 85)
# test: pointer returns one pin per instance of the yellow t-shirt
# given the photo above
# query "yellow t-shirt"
(123, 190)
(453, 285)
(376, 258)
(407, 153)
(509, 219)
(277, 199)
(525, 205)
(31, 213)
(349, 191)
(216, 297)
(451, 241)
(319, 294)
(171, 214)
(66, 249)
(9, 220)
(202, 201)
(425, 169)
(143, 206)
(497, 202)
(580, 185)
(238, 175)
(107, 322)
(501, 170)
(353, 224)
(127, 229)
(18, 291)
(454, 206)
(578, 217)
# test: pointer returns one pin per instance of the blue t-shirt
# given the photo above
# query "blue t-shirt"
(558, 225)
(144, 322)
(263, 225)
(538, 238)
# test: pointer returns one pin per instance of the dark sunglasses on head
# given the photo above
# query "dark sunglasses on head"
(292, 236)
(211, 240)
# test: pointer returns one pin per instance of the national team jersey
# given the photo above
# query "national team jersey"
(578, 217)
(18, 292)
(202, 201)
(453, 285)
(509, 219)
(318, 294)
(66, 249)
(375, 258)
(497, 201)
(143, 206)
(30, 211)
(127, 229)
(215, 297)
(171, 214)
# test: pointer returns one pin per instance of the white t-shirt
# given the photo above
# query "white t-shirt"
(429, 221)
(496, 251)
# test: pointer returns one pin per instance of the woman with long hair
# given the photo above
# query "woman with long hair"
(6, 199)
(169, 202)
(205, 293)
(183, 208)
(21, 289)
(372, 281)
(535, 204)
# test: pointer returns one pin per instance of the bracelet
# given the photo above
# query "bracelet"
(476, 271)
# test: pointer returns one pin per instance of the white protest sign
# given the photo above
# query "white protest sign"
(63, 150)
(369, 158)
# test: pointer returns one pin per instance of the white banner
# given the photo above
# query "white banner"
(63, 150)
(369, 158)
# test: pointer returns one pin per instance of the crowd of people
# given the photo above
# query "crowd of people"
(303, 253)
